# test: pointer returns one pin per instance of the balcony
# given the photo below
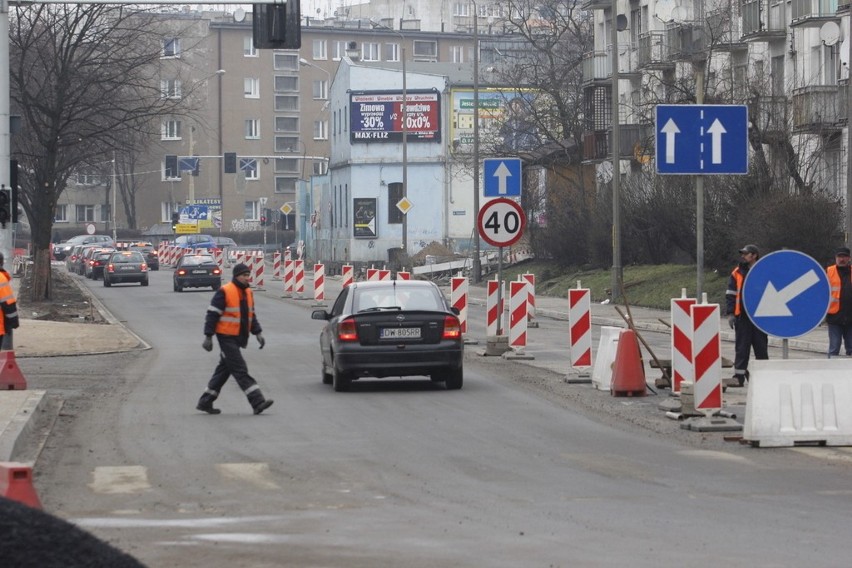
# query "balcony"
(812, 13)
(654, 51)
(724, 31)
(763, 20)
(768, 117)
(817, 109)
(597, 144)
(686, 41)
(597, 5)
(597, 65)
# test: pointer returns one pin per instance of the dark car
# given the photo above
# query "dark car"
(150, 253)
(96, 262)
(196, 242)
(61, 250)
(71, 257)
(197, 271)
(391, 328)
(79, 257)
(125, 266)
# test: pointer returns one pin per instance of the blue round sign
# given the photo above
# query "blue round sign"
(786, 293)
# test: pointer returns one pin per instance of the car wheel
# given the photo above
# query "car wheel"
(178, 287)
(145, 282)
(340, 381)
(454, 379)
(327, 378)
(106, 282)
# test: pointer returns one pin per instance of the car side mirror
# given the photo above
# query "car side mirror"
(320, 315)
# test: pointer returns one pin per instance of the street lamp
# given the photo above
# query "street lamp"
(477, 263)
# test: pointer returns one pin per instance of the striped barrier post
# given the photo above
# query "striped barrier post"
(458, 299)
(530, 279)
(580, 328)
(372, 274)
(258, 265)
(518, 315)
(299, 287)
(276, 265)
(319, 283)
(403, 275)
(384, 275)
(348, 274)
(288, 277)
(219, 255)
(494, 313)
(707, 358)
(681, 341)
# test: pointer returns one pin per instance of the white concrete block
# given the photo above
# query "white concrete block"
(605, 357)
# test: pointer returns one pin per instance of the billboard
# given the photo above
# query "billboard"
(505, 121)
(376, 116)
(364, 210)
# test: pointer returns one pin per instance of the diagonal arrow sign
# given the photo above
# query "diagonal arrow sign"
(670, 129)
(502, 173)
(716, 130)
(774, 302)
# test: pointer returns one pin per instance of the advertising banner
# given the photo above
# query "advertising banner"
(364, 209)
(376, 116)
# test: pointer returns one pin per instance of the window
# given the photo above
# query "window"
(287, 165)
(461, 9)
(85, 213)
(320, 167)
(252, 211)
(320, 130)
(320, 90)
(425, 49)
(249, 167)
(370, 51)
(285, 61)
(252, 129)
(251, 88)
(170, 171)
(285, 184)
(166, 210)
(391, 52)
(170, 130)
(84, 177)
(286, 84)
(170, 88)
(457, 53)
(286, 124)
(284, 103)
(286, 143)
(105, 213)
(248, 47)
(60, 214)
(320, 49)
(338, 50)
(394, 195)
(171, 47)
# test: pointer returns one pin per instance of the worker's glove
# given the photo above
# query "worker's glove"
(208, 343)
(260, 340)
(732, 321)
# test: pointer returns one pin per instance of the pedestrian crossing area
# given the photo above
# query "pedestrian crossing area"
(132, 479)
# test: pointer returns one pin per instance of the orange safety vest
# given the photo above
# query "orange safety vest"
(738, 278)
(229, 322)
(7, 296)
(834, 282)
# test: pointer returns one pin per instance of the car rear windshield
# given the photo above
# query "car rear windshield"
(402, 298)
(126, 257)
(197, 260)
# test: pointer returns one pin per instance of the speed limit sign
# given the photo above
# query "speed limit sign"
(501, 222)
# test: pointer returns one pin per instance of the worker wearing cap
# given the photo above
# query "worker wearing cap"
(839, 316)
(9, 318)
(231, 317)
(746, 335)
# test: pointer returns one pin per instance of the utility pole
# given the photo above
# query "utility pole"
(617, 274)
(477, 265)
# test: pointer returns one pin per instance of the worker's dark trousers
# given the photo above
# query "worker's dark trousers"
(748, 337)
(231, 362)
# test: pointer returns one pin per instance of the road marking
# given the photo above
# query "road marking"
(120, 479)
(257, 474)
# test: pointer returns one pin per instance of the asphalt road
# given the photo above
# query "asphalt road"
(516, 469)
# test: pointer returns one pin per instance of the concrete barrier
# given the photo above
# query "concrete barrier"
(799, 401)
(605, 357)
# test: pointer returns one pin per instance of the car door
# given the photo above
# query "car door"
(327, 334)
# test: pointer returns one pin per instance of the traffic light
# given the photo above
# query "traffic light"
(13, 180)
(175, 220)
(5, 206)
(277, 26)
(230, 162)
(265, 217)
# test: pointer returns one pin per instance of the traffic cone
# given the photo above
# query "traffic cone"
(628, 372)
(16, 483)
(11, 377)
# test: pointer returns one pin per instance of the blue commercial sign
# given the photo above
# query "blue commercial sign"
(786, 293)
(501, 177)
(702, 139)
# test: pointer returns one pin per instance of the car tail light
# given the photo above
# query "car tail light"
(181, 272)
(216, 272)
(452, 328)
(110, 268)
(144, 267)
(346, 330)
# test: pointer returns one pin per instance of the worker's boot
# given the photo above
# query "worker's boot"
(205, 403)
(258, 402)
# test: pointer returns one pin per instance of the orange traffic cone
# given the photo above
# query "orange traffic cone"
(16, 483)
(628, 372)
(11, 377)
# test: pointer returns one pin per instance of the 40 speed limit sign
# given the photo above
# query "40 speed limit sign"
(501, 222)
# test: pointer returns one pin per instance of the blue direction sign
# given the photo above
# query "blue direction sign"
(786, 293)
(702, 139)
(502, 177)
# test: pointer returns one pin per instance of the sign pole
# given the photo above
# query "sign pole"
(500, 291)
(699, 198)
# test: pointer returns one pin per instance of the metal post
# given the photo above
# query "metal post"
(404, 155)
(848, 227)
(699, 199)
(6, 235)
(617, 273)
(477, 264)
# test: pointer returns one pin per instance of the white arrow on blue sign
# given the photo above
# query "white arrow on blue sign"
(786, 293)
(702, 139)
(501, 177)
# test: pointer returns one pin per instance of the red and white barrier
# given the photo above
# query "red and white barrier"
(494, 312)
(319, 283)
(518, 302)
(219, 256)
(403, 275)
(276, 265)
(299, 286)
(530, 279)
(384, 275)
(580, 327)
(288, 254)
(348, 275)
(258, 266)
(289, 272)
(681, 342)
(372, 274)
(458, 299)
(707, 358)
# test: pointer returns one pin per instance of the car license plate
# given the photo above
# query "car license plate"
(128, 267)
(400, 333)
(199, 272)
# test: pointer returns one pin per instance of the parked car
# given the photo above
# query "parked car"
(150, 253)
(197, 271)
(71, 257)
(196, 242)
(125, 266)
(62, 250)
(225, 242)
(391, 328)
(76, 261)
(96, 263)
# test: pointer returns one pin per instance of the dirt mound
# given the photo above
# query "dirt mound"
(68, 303)
(436, 249)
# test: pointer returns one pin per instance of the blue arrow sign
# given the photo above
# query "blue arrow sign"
(501, 177)
(702, 139)
(786, 293)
